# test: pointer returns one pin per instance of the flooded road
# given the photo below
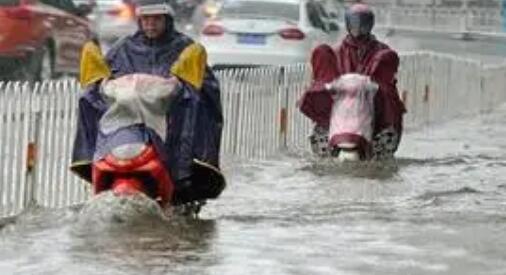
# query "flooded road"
(439, 209)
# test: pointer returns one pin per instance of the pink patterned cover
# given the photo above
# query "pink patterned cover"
(352, 114)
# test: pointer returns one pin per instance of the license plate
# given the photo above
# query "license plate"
(251, 39)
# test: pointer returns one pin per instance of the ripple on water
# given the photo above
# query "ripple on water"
(107, 235)
(429, 195)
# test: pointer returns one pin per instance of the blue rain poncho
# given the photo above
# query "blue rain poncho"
(195, 119)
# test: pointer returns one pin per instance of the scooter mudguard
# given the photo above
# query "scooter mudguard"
(144, 173)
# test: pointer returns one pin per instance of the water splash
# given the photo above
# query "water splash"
(107, 210)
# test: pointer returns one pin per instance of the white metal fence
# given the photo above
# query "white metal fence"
(261, 119)
(437, 19)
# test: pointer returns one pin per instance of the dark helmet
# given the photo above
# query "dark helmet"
(156, 7)
(359, 20)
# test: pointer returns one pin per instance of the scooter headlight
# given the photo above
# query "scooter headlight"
(128, 151)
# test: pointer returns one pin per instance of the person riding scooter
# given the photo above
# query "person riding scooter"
(316, 103)
(361, 53)
(194, 121)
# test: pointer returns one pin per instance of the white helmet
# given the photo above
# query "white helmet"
(153, 7)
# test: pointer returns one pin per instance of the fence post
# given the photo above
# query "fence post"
(32, 150)
(391, 12)
(433, 20)
(503, 15)
(464, 22)
(237, 109)
(283, 114)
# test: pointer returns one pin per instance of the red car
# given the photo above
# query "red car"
(40, 39)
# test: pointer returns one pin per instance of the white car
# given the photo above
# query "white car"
(264, 32)
(112, 19)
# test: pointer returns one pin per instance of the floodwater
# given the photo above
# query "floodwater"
(439, 209)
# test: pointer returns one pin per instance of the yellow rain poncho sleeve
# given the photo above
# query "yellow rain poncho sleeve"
(92, 66)
(191, 65)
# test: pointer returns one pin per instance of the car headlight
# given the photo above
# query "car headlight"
(211, 11)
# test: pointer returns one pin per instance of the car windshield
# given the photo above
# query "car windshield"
(9, 2)
(260, 9)
(103, 5)
(106, 3)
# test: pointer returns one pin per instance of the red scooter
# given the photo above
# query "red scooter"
(129, 162)
(127, 175)
(352, 117)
